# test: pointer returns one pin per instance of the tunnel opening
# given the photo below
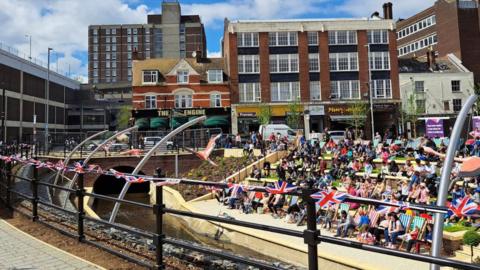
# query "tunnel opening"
(107, 184)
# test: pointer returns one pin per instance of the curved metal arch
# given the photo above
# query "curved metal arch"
(67, 159)
(85, 161)
(147, 157)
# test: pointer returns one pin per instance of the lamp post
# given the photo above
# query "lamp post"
(30, 40)
(47, 110)
(370, 91)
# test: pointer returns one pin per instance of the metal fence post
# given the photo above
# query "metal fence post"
(80, 210)
(310, 235)
(34, 185)
(158, 238)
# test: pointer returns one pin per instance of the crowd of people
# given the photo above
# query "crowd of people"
(388, 170)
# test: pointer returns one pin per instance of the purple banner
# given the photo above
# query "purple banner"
(434, 127)
(476, 122)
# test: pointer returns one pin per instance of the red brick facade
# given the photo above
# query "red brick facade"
(303, 67)
(264, 66)
(324, 65)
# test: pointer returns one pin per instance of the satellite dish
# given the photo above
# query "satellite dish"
(194, 54)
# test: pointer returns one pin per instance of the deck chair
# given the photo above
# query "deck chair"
(405, 221)
(373, 216)
(415, 222)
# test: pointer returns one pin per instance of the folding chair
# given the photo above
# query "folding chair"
(415, 222)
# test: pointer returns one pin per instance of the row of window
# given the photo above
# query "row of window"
(456, 102)
(184, 100)
(289, 91)
(113, 56)
(130, 39)
(151, 76)
(288, 63)
(417, 45)
(276, 39)
(455, 86)
(416, 27)
(113, 31)
(112, 64)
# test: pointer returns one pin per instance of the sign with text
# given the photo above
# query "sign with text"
(317, 110)
(434, 127)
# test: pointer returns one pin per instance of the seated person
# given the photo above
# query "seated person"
(266, 168)
(394, 229)
(276, 204)
(256, 173)
(364, 222)
(327, 217)
(345, 223)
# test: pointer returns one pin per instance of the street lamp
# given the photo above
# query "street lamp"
(48, 100)
(370, 91)
(30, 40)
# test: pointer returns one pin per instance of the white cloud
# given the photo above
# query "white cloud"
(214, 54)
(401, 8)
(213, 14)
(61, 25)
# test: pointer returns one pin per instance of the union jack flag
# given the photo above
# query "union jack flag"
(78, 168)
(281, 187)
(326, 198)
(385, 209)
(236, 189)
(7, 159)
(94, 168)
(169, 182)
(463, 207)
(60, 166)
(117, 174)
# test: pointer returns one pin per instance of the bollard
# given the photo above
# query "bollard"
(310, 235)
(159, 212)
(34, 186)
(80, 193)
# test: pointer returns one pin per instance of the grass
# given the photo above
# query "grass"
(457, 228)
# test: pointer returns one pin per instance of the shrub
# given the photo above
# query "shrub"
(471, 238)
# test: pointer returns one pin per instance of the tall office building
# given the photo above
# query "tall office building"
(166, 35)
(449, 26)
(326, 65)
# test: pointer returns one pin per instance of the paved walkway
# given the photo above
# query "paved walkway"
(19, 250)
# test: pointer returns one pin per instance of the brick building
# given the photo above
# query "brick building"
(449, 26)
(324, 64)
(166, 35)
(169, 92)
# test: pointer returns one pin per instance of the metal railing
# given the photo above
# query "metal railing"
(311, 235)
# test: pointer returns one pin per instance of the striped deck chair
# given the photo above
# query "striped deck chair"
(419, 222)
(405, 221)
(340, 208)
(373, 216)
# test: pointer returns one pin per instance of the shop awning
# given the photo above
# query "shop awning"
(158, 122)
(219, 120)
(345, 117)
(178, 121)
(142, 123)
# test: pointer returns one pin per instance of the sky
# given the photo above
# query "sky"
(63, 24)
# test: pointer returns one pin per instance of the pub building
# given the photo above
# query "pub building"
(169, 92)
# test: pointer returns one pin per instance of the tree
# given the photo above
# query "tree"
(294, 115)
(471, 238)
(358, 112)
(476, 107)
(265, 115)
(123, 116)
(411, 112)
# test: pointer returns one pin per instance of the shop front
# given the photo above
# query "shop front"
(167, 119)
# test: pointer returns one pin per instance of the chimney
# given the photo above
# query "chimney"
(429, 60)
(433, 59)
(387, 11)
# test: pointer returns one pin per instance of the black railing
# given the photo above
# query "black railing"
(311, 235)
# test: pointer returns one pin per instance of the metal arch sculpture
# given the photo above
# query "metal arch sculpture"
(85, 161)
(147, 157)
(67, 159)
(445, 177)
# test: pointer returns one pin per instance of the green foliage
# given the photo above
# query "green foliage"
(123, 116)
(471, 238)
(455, 228)
(358, 112)
(294, 115)
(265, 115)
(476, 107)
(411, 111)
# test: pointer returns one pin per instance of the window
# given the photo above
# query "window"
(419, 86)
(95, 73)
(129, 39)
(315, 91)
(421, 108)
(418, 26)
(95, 56)
(182, 76)
(114, 48)
(95, 64)
(129, 72)
(114, 32)
(280, 63)
(455, 86)
(95, 32)
(95, 48)
(342, 37)
(247, 40)
(135, 31)
(343, 61)
(107, 48)
(150, 102)
(457, 104)
(381, 89)
(129, 48)
(418, 45)
(345, 89)
(95, 40)
(107, 56)
(249, 92)
(107, 31)
(313, 62)
(283, 38)
(114, 39)
(107, 72)
(147, 38)
(446, 105)
(215, 100)
(215, 76)
(129, 55)
(379, 60)
(107, 39)
(312, 38)
(114, 64)
(147, 55)
(285, 91)
(129, 31)
(150, 77)
(377, 36)
(129, 64)
(107, 64)
(248, 64)
(114, 56)
(114, 72)
(183, 100)
(147, 31)
(135, 39)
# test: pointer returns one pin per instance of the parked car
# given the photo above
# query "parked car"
(150, 142)
(281, 129)
(337, 135)
(117, 147)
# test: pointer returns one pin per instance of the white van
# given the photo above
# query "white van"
(276, 129)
